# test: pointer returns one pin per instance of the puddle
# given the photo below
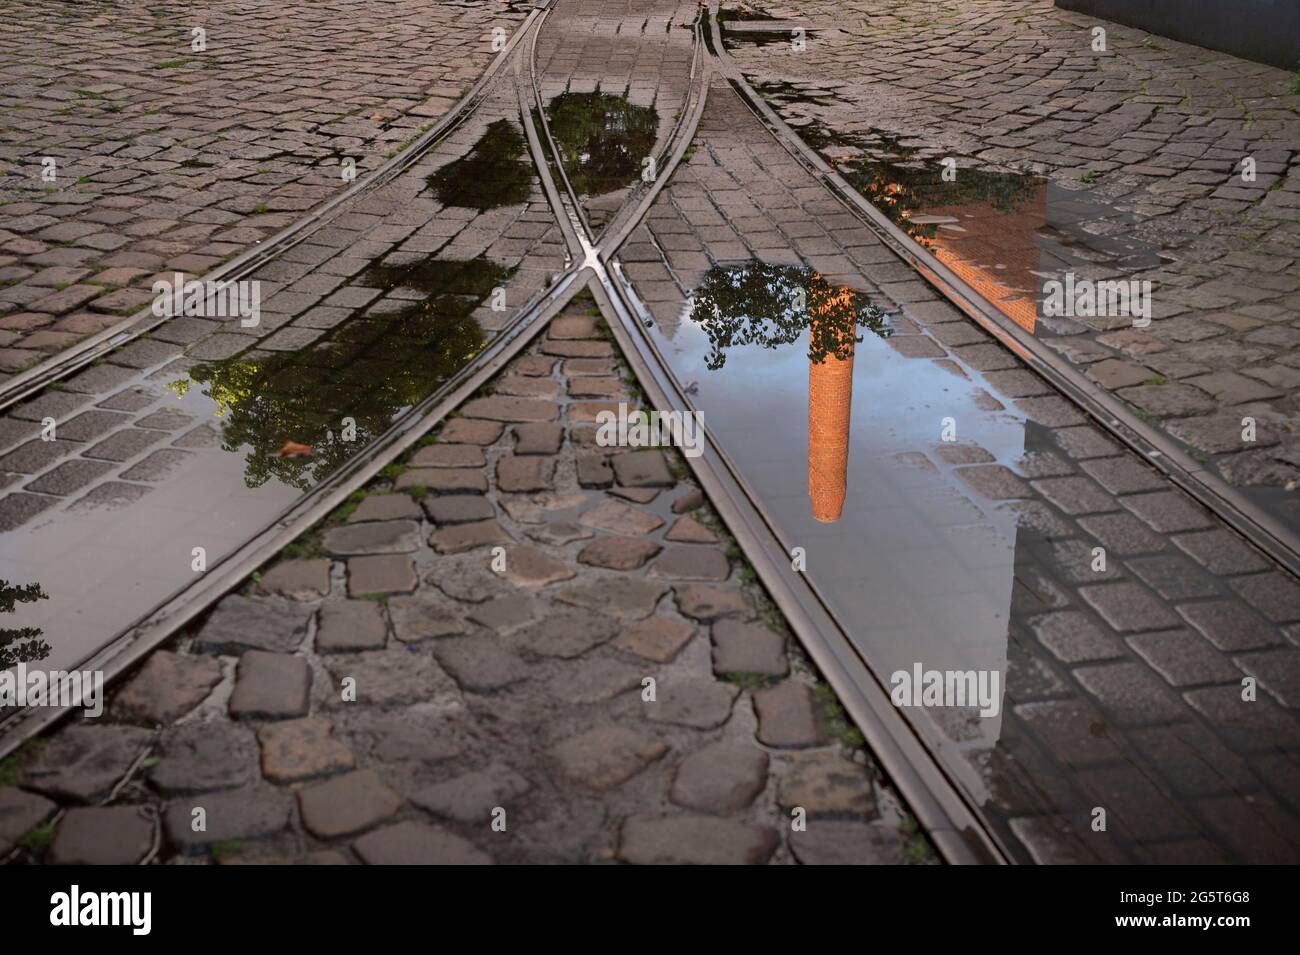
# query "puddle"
(371, 369)
(603, 140)
(230, 446)
(494, 173)
(1004, 233)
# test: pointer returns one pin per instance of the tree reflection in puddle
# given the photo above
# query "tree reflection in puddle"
(603, 139)
(492, 174)
(20, 644)
(774, 305)
(369, 369)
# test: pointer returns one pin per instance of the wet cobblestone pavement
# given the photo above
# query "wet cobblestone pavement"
(1122, 684)
(516, 644)
(1144, 143)
(169, 159)
(477, 691)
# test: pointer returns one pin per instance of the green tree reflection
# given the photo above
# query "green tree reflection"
(602, 138)
(492, 174)
(20, 644)
(772, 305)
(368, 369)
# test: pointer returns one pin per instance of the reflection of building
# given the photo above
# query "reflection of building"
(830, 403)
(994, 252)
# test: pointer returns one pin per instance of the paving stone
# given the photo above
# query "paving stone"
(522, 475)
(241, 623)
(618, 553)
(616, 518)
(509, 409)
(114, 835)
(201, 757)
(607, 756)
(642, 469)
(480, 665)
(472, 797)
(378, 537)
(20, 813)
(1168, 512)
(470, 431)
(1173, 577)
(414, 843)
(827, 784)
(568, 634)
(381, 574)
(787, 716)
(694, 840)
(109, 496)
(82, 763)
(1127, 608)
(70, 476)
(423, 616)
(1073, 638)
(1123, 475)
(539, 438)
(1184, 658)
(459, 538)
(391, 678)
(298, 579)
(704, 602)
(748, 648)
(722, 778)
(697, 703)
(1278, 672)
(688, 500)
(347, 804)
(1221, 552)
(253, 812)
(559, 533)
(270, 686)
(1122, 534)
(458, 509)
(1230, 626)
(1130, 693)
(595, 681)
(530, 567)
(295, 750)
(1274, 595)
(448, 456)
(167, 687)
(832, 842)
(351, 625)
(1075, 495)
(387, 507)
(444, 480)
(124, 445)
(1245, 725)
(594, 471)
(688, 530)
(692, 562)
(994, 482)
(506, 613)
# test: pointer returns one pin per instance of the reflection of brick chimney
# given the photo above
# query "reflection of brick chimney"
(830, 402)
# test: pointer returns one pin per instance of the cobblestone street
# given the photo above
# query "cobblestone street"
(372, 583)
(171, 160)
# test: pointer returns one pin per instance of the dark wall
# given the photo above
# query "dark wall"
(1263, 30)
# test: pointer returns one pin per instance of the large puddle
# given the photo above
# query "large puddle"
(236, 443)
(1006, 234)
(840, 437)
